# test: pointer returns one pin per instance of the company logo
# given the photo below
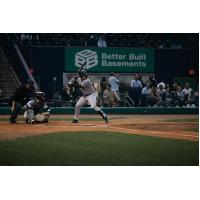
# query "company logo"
(86, 56)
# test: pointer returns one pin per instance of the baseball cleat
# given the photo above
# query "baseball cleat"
(75, 121)
(106, 119)
(33, 121)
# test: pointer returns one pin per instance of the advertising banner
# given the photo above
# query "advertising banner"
(105, 60)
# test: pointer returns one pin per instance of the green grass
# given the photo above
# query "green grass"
(7, 119)
(98, 148)
(181, 120)
(195, 129)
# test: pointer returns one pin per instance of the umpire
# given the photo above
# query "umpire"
(21, 96)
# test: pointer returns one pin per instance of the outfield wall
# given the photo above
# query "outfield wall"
(49, 62)
(141, 110)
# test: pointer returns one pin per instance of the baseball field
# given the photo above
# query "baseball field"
(128, 140)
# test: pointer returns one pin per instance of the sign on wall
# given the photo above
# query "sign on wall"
(110, 59)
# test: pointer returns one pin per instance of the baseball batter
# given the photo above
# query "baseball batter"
(88, 98)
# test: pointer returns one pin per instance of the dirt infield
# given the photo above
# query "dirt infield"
(151, 125)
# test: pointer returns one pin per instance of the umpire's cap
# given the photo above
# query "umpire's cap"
(82, 73)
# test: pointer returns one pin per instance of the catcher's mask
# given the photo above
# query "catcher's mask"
(82, 73)
(40, 96)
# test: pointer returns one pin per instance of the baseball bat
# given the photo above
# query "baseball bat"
(73, 80)
(82, 67)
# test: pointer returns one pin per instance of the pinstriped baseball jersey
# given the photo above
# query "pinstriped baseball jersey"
(86, 86)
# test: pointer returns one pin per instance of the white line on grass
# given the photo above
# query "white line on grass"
(158, 132)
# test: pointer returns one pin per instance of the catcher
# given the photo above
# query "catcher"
(37, 110)
(88, 95)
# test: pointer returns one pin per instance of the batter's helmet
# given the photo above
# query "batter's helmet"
(40, 96)
(82, 73)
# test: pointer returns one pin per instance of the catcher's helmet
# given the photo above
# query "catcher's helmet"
(40, 96)
(82, 73)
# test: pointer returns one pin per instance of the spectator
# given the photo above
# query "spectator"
(136, 83)
(153, 81)
(26, 37)
(180, 96)
(108, 97)
(114, 82)
(174, 86)
(186, 91)
(136, 89)
(155, 99)
(161, 91)
(103, 85)
(92, 41)
(140, 78)
(168, 95)
(29, 37)
(167, 89)
(65, 96)
(125, 40)
(174, 99)
(35, 37)
(191, 97)
(101, 42)
(23, 37)
(146, 91)
(161, 83)
(95, 86)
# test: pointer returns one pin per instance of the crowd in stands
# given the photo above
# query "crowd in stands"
(111, 91)
(114, 93)
(151, 40)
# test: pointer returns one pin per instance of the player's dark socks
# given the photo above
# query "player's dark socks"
(106, 119)
(103, 115)
(75, 121)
